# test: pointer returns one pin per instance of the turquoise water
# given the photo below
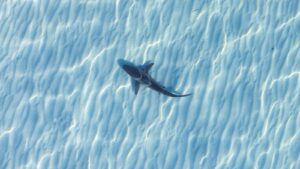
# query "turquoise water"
(65, 102)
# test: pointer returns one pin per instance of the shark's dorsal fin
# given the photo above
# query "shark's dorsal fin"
(135, 86)
(147, 66)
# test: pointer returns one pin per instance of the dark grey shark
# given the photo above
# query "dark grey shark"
(140, 75)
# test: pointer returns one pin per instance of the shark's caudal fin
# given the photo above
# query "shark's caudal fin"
(147, 66)
(135, 86)
(174, 93)
(184, 95)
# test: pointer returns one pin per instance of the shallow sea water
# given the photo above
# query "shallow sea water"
(65, 102)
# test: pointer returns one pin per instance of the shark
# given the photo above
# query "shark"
(140, 76)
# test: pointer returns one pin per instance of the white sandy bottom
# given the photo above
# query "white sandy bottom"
(65, 103)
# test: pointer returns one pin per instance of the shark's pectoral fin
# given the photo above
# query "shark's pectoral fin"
(147, 66)
(135, 86)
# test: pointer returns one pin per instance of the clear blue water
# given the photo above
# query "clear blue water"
(65, 102)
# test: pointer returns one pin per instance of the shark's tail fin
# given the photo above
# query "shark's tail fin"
(177, 94)
(182, 95)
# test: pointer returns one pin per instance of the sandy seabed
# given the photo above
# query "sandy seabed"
(66, 104)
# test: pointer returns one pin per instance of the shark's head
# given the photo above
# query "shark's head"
(130, 68)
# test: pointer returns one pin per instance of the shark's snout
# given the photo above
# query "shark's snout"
(121, 62)
(129, 68)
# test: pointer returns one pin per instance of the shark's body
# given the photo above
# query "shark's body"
(139, 75)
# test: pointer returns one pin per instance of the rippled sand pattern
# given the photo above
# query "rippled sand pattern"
(65, 102)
